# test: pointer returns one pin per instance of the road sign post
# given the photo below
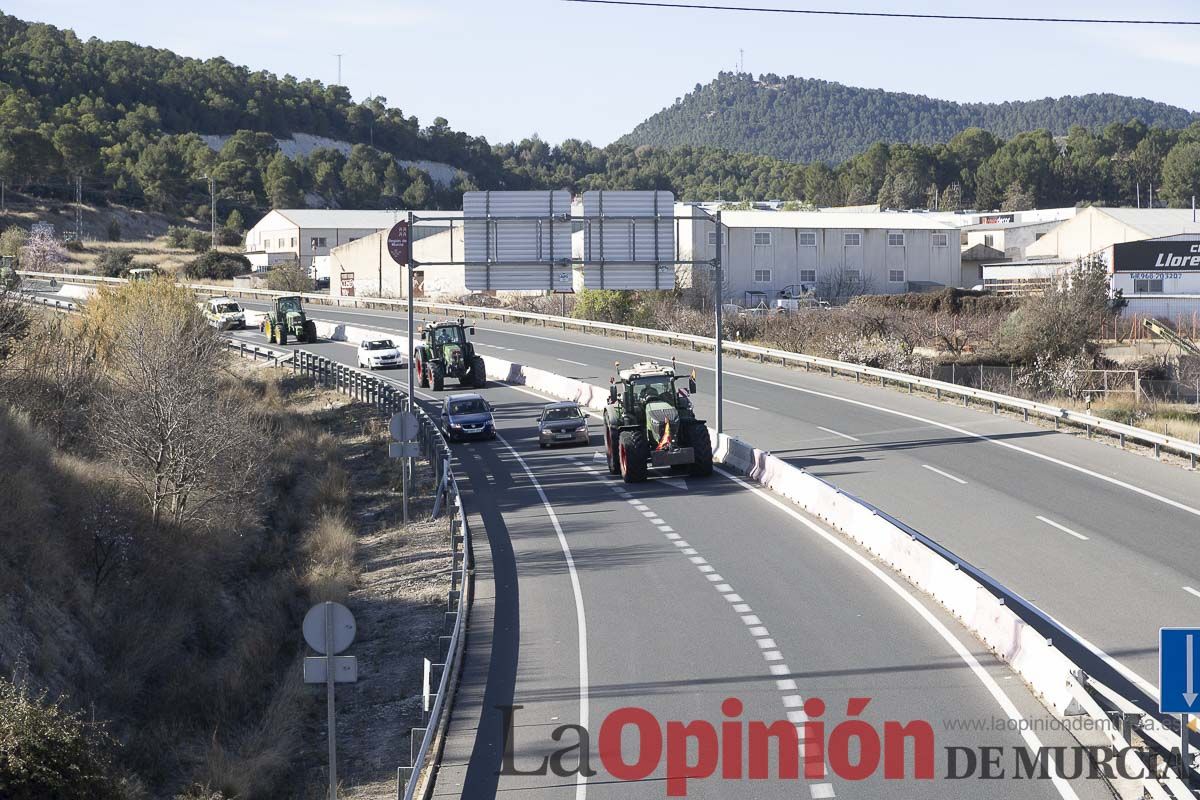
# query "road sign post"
(329, 629)
(399, 245)
(404, 427)
(1178, 682)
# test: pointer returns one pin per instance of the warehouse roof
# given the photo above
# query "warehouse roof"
(351, 217)
(1154, 222)
(850, 220)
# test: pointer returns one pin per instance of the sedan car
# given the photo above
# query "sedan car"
(467, 416)
(562, 423)
(378, 353)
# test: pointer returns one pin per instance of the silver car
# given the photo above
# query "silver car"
(563, 423)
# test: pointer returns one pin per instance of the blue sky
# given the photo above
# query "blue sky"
(510, 68)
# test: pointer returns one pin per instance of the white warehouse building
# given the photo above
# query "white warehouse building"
(836, 254)
(301, 234)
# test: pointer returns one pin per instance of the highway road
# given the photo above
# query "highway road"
(1103, 540)
(673, 596)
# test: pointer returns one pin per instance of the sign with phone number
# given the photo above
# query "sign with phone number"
(1154, 276)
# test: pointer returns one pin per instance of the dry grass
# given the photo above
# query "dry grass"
(1173, 419)
(331, 572)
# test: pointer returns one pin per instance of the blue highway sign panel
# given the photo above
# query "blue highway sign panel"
(1178, 670)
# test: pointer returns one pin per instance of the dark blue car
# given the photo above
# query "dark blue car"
(467, 416)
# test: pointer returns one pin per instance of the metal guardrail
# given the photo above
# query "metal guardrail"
(416, 780)
(1058, 415)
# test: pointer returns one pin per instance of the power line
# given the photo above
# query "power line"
(887, 14)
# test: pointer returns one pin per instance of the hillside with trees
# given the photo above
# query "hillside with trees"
(801, 119)
(128, 121)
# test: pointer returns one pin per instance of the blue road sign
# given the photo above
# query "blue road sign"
(1178, 670)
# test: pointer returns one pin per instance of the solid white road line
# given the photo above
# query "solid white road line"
(944, 474)
(580, 619)
(1062, 528)
(569, 361)
(1192, 591)
(835, 433)
(968, 658)
(743, 405)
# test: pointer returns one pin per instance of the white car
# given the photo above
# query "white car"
(223, 313)
(376, 353)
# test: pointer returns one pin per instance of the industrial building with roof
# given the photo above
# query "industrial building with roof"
(834, 254)
(1153, 255)
(301, 234)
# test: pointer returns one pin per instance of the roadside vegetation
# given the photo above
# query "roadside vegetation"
(166, 517)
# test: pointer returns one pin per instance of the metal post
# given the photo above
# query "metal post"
(330, 713)
(718, 281)
(406, 464)
(1185, 770)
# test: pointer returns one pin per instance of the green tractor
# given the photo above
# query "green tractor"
(650, 421)
(286, 319)
(444, 352)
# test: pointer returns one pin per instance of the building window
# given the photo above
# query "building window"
(712, 238)
(1037, 236)
(987, 239)
(941, 240)
(895, 276)
(293, 241)
(762, 276)
(762, 238)
(808, 276)
(808, 239)
(854, 276)
(852, 239)
(896, 240)
(1148, 286)
(316, 242)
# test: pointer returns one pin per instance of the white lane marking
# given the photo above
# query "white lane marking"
(742, 608)
(725, 587)
(1192, 591)
(821, 791)
(773, 655)
(944, 474)
(989, 683)
(580, 618)
(732, 597)
(835, 433)
(569, 361)
(1062, 528)
(793, 701)
(665, 528)
(759, 630)
(766, 644)
(698, 559)
(743, 405)
(752, 619)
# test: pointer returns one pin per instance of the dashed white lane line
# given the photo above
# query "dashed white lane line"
(569, 361)
(1191, 591)
(944, 474)
(836, 433)
(766, 645)
(743, 405)
(1062, 528)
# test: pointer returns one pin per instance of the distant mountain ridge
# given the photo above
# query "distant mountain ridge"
(803, 119)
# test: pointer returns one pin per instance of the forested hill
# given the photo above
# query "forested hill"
(799, 119)
(126, 119)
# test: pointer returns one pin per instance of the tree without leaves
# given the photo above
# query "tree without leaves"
(160, 414)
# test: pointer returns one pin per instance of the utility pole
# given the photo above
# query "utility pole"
(212, 207)
(3, 202)
(719, 299)
(339, 58)
(79, 208)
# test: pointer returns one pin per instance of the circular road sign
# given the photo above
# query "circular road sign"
(343, 628)
(404, 426)
(399, 244)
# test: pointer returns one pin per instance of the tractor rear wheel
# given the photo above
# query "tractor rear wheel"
(281, 334)
(634, 452)
(610, 451)
(422, 375)
(478, 372)
(310, 331)
(436, 377)
(697, 439)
